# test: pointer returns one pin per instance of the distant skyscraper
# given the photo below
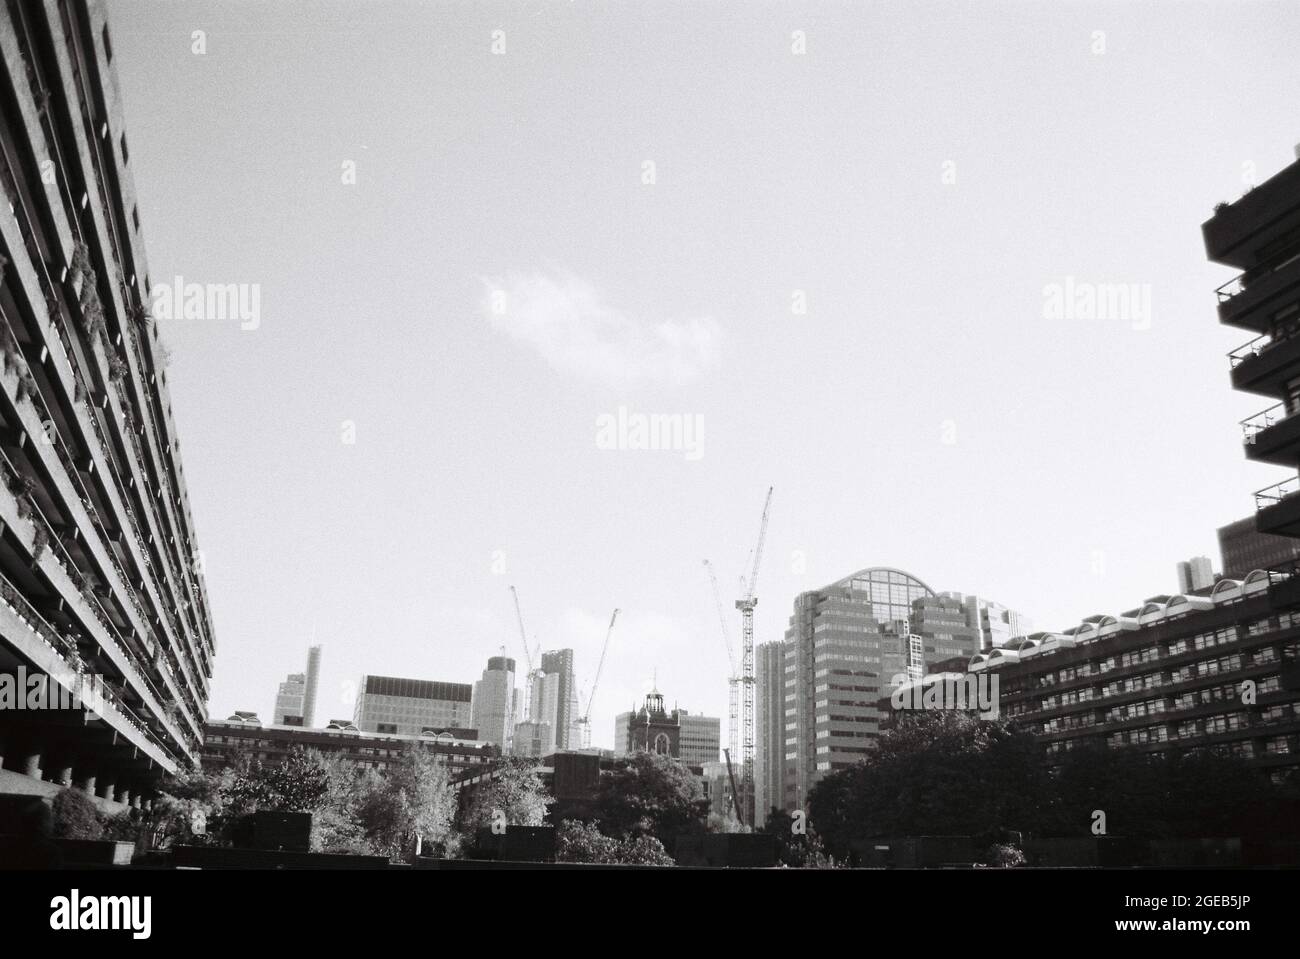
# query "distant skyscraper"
(313, 678)
(769, 738)
(495, 702)
(409, 707)
(1196, 573)
(289, 700)
(559, 662)
(536, 735)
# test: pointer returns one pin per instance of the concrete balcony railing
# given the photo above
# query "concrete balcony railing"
(1250, 350)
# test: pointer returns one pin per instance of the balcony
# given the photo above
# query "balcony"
(1272, 436)
(1284, 585)
(1277, 508)
(1266, 214)
(1265, 364)
(1254, 298)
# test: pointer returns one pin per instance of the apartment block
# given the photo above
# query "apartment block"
(101, 573)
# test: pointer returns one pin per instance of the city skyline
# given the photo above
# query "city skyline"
(459, 481)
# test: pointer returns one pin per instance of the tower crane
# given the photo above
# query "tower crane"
(533, 671)
(746, 606)
(585, 720)
(733, 682)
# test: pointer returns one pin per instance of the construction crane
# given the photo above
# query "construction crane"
(533, 671)
(746, 606)
(585, 720)
(733, 682)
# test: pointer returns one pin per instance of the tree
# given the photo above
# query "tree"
(413, 799)
(516, 794)
(651, 795)
(797, 843)
(584, 842)
(941, 773)
(75, 816)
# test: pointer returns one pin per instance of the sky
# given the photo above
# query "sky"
(824, 236)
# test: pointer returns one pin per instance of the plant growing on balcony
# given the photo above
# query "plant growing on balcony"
(27, 386)
(79, 392)
(26, 495)
(80, 265)
(117, 371)
(10, 347)
(93, 314)
(40, 542)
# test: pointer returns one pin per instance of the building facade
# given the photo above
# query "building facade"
(568, 732)
(409, 707)
(1244, 549)
(652, 728)
(227, 742)
(1195, 573)
(495, 702)
(701, 739)
(313, 680)
(289, 700)
(100, 570)
(769, 728)
(1218, 669)
(848, 645)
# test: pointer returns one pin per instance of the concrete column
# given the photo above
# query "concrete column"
(30, 763)
(86, 782)
(107, 788)
(136, 801)
(124, 795)
(62, 774)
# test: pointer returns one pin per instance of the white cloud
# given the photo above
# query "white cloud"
(563, 318)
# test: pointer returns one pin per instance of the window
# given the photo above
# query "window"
(108, 44)
(126, 154)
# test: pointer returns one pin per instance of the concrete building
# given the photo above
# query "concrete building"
(1195, 573)
(1217, 669)
(408, 707)
(1243, 549)
(533, 740)
(97, 572)
(289, 700)
(701, 739)
(769, 723)
(225, 742)
(495, 702)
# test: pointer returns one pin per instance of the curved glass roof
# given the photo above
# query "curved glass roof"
(890, 591)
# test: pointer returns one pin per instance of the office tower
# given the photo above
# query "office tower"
(1195, 573)
(559, 662)
(769, 737)
(495, 702)
(409, 707)
(289, 701)
(846, 648)
(701, 739)
(313, 679)
(995, 624)
(101, 573)
(1243, 549)
(536, 736)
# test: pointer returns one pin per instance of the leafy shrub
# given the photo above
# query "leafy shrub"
(76, 816)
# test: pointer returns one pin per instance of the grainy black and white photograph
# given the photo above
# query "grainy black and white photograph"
(634, 439)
